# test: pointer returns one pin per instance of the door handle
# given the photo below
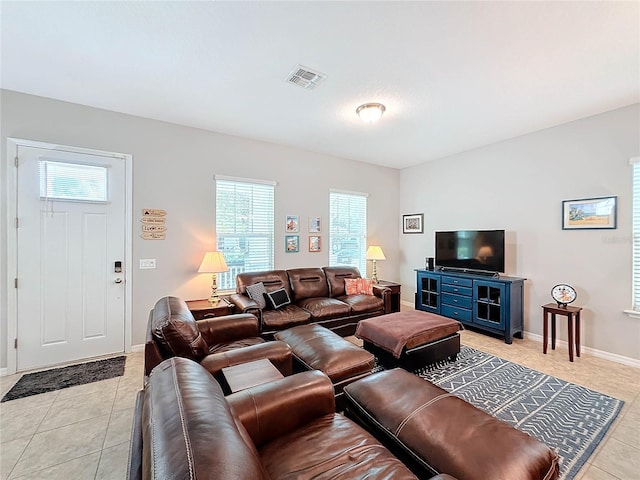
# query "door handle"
(118, 280)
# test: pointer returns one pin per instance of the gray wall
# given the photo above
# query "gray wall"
(173, 169)
(518, 185)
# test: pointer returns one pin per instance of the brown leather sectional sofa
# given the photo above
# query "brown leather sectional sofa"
(184, 427)
(317, 296)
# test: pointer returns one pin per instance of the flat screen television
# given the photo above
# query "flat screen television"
(480, 250)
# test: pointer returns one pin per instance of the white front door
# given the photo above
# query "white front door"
(70, 237)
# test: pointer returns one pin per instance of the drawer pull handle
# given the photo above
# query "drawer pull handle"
(209, 315)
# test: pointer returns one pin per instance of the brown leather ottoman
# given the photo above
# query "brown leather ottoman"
(318, 348)
(410, 339)
(433, 431)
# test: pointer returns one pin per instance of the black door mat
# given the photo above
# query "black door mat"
(65, 377)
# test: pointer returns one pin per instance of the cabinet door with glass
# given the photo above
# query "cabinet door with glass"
(489, 304)
(428, 292)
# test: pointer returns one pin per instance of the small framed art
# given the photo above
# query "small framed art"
(314, 224)
(314, 243)
(292, 243)
(292, 224)
(589, 213)
(412, 223)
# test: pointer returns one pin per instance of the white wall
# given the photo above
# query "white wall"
(518, 185)
(173, 169)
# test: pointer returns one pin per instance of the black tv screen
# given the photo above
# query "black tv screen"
(471, 250)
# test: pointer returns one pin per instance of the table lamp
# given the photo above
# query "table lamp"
(213, 262)
(374, 253)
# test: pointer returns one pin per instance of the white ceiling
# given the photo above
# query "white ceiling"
(453, 75)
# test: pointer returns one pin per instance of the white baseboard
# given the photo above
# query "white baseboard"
(631, 362)
(3, 372)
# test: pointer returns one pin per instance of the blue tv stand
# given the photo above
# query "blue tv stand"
(493, 304)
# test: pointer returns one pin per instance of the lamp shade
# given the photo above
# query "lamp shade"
(213, 262)
(374, 252)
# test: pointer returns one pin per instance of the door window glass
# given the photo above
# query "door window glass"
(73, 181)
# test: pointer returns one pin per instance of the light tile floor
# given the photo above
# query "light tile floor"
(83, 432)
(76, 433)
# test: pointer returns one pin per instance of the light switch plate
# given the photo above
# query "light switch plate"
(147, 263)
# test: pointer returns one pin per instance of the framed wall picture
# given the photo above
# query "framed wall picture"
(292, 224)
(412, 223)
(314, 224)
(589, 213)
(292, 243)
(314, 243)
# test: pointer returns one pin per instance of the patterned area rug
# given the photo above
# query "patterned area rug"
(65, 377)
(568, 418)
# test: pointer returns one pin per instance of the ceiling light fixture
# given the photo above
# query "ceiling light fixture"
(370, 112)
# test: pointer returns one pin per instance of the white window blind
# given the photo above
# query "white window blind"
(635, 164)
(348, 229)
(73, 181)
(244, 227)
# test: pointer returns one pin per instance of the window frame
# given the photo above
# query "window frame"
(358, 238)
(255, 189)
(635, 238)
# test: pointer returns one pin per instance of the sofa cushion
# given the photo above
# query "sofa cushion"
(285, 317)
(336, 276)
(175, 331)
(324, 307)
(189, 430)
(363, 303)
(446, 433)
(278, 298)
(256, 292)
(318, 348)
(307, 283)
(354, 453)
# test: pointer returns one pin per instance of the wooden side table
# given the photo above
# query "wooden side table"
(203, 309)
(395, 294)
(571, 313)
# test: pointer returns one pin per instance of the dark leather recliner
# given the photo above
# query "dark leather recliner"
(215, 343)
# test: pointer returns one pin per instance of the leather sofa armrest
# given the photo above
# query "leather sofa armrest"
(243, 303)
(385, 294)
(279, 353)
(273, 409)
(134, 471)
(152, 356)
(228, 328)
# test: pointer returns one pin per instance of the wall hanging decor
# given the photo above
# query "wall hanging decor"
(292, 243)
(412, 223)
(589, 213)
(314, 244)
(292, 224)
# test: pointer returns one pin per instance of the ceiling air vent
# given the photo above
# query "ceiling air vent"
(305, 77)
